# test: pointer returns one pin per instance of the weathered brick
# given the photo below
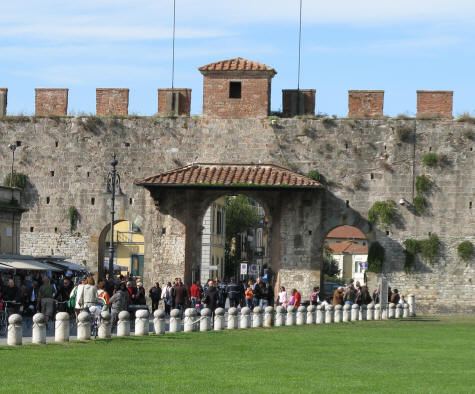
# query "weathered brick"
(365, 103)
(51, 101)
(292, 105)
(184, 101)
(112, 101)
(434, 103)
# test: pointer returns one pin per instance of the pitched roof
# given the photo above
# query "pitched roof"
(230, 175)
(349, 247)
(348, 232)
(237, 64)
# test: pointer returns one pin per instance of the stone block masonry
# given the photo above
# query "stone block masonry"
(112, 101)
(3, 101)
(365, 103)
(434, 103)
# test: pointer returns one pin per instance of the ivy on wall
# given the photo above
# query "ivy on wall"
(429, 250)
(382, 212)
(465, 250)
(375, 257)
(73, 217)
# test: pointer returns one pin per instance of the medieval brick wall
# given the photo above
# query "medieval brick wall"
(111, 101)
(298, 102)
(434, 104)
(184, 106)
(51, 102)
(365, 103)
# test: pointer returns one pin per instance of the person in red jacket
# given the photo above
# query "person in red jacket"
(297, 298)
(195, 296)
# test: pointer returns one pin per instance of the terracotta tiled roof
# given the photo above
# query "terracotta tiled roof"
(348, 247)
(348, 232)
(237, 175)
(237, 64)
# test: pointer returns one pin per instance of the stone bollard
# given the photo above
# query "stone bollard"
(355, 312)
(205, 320)
(338, 316)
(320, 314)
(256, 317)
(159, 321)
(15, 330)
(175, 320)
(141, 322)
(363, 312)
(329, 314)
(392, 311)
(84, 326)
(384, 312)
(279, 316)
(190, 317)
(377, 312)
(290, 321)
(405, 313)
(245, 318)
(370, 312)
(301, 315)
(105, 328)
(398, 311)
(39, 329)
(269, 316)
(346, 313)
(233, 319)
(411, 300)
(310, 314)
(123, 325)
(61, 327)
(219, 319)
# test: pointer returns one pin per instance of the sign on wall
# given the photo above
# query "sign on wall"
(243, 269)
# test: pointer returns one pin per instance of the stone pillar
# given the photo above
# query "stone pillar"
(392, 311)
(320, 314)
(141, 322)
(398, 311)
(219, 319)
(174, 101)
(384, 311)
(233, 321)
(256, 317)
(245, 318)
(3, 102)
(405, 313)
(104, 329)
(269, 316)
(39, 329)
(190, 315)
(159, 321)
(310, 314)
(329, 314)
(175, 320)
(111, 101)
(123, 325)
(61, 327)
(290, 321)
(434, 103)
(411, 300)
(365, 103)
(370, 312)
(279, 316)
(363, 312)
(301, 315)
(15, 330)
(84, 326)
(205, 321)
(346, 313)
(51, 102)
(338, 313)
(355, 312)
(377, 312)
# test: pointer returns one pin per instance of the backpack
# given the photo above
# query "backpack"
(72, 300)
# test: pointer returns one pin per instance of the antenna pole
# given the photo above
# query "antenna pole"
(300, 48)
(173, 53)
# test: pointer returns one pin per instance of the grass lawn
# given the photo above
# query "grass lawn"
(435, 354)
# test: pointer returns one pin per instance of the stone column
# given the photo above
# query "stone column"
(405, 313)
(269, 316)
(301, 315)
(123, 325)
(370, 312)
(363, 312)
(84, 326)
(338, 313)
(377, 312)
(104, 330)
(320, 314)
(39, 329)
(398, 311)
(245, 318)
(346, 313)
(384, 311)
(233, 319)
(205, 321)
(159, 321)
(61, 327)
(175, 320)
(141, 322)
(279, 316)
(219, 319)
(256, 317)
(190, 314)
(355, 312)
(15, 330)
(411, 300)
(290, 321)
(392, 311)
(329, 314)
(310, 314)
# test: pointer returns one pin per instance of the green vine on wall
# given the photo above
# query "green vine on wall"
(382, 212)
(73, 217)
(17, 180)
(375, 257)
(465, 250)
(429, 249)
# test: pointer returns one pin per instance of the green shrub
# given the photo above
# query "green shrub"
(404, 133)
(423, 184)
(420, 204)
(18, 180)
(382, 212)
(73, 217)
(375, 257)
(430, 159)
(465, 250)
(429, 250)
(315, 175)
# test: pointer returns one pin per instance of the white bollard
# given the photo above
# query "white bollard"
(310, 314)
(279, 316)
(175, 320)
(384, 311)
(141, 322)
(159, 321)
(320, 314)
(290, 321)
(39, 329)
(190, 317)
(346, 313)
(61, 327)
(405, 313)
(329, 314)
(233, 319)
(256, 317)
(363, 312)
(84, 326)
(269, 316)
(370, 312)
(301, 315)
(104, 330)
(219, 319)
(392, 311)
(355, 312)
(411, 300)
(377, 312)
(245, 318)
(123, 325)
(15, 331)
(205, 320)
(338, 316)
(398, 311)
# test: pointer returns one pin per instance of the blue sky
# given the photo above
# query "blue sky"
(399, 46)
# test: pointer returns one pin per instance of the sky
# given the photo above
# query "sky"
(398, 46)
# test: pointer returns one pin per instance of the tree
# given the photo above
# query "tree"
(330, 266)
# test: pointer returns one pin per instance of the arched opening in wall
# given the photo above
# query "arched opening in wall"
(345, 257)
(129, 249)
(235, 240)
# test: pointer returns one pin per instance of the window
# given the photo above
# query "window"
(219, 223)
(235, 90)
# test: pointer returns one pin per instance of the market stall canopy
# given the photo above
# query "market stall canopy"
(5, 267)
(116, 267)
(27, 264)
(71, 266)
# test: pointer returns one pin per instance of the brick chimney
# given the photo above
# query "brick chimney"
(434, 103)
(112, 101)
(298, 102)
(174, 101)
(365, 103)
(51, 101)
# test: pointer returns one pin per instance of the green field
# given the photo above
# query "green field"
(435, 354)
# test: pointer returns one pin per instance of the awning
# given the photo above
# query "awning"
(5, 267)
(71, 266)
(117, 267)
(31, 265)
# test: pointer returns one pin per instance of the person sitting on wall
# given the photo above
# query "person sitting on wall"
(395, 297)
(282, 299)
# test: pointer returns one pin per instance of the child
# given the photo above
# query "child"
(249, 296)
